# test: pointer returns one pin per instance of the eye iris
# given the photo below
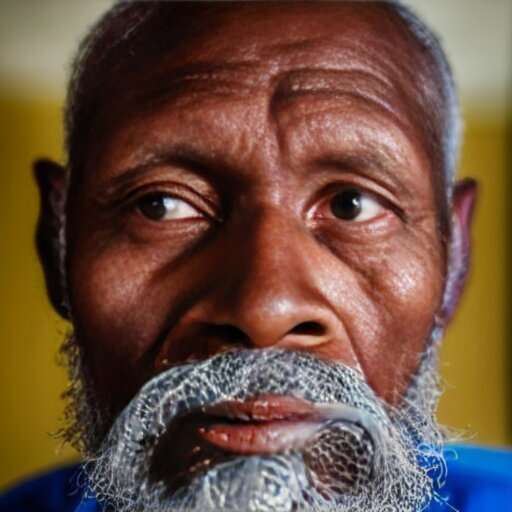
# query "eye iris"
(154, 206)
(347, 204)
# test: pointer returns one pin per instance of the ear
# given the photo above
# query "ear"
(463, 204)
(51, 181)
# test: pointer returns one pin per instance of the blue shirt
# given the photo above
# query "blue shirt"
(479, 480)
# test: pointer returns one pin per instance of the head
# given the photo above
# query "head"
(258, 239)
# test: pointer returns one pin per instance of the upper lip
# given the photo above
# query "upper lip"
(264, 408)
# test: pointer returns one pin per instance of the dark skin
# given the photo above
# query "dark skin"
(285, 200)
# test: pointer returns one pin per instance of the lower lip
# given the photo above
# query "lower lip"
(259, 438)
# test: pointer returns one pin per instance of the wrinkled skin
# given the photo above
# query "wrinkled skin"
(256, 125)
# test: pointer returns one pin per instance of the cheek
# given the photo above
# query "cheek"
(413, 285)
(406, 291)
(115, 318)
(387, 295)
(106, 297)
(119, 288)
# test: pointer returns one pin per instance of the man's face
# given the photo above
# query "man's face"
(264, 185)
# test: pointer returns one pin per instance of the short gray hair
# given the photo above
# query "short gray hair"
(452, 128)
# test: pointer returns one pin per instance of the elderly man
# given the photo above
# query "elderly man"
(259, 241)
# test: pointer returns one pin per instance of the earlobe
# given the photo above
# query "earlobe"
(463, 204)
(51, 181)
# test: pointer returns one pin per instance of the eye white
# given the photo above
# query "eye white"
(370, 208)
(177, 209)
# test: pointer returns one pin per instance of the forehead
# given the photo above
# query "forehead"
(253, 45)
(286, 60)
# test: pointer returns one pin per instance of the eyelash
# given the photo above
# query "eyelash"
(327, 194)
(179, 192)
(130, 203)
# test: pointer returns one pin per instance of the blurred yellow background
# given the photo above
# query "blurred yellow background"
(475, 358)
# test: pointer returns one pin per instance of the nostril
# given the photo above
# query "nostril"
(227, 333)
(308, 329)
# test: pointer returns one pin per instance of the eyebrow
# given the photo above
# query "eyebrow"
(368, 165)
(179, 156)
(205, 166)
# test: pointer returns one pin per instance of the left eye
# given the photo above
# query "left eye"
(352, 204)
(159, 206)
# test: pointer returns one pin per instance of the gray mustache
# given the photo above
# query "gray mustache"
(241, 374)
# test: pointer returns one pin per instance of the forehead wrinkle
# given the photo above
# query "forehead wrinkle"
(337, 83)
(220, 78)
(342, 52)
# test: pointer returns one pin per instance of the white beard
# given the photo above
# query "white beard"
(396, 452)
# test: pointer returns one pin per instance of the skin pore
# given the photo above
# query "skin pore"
(268, 182)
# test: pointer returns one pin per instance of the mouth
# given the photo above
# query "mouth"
(216, 433)
(261, 425)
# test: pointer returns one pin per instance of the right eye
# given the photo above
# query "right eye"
(159, 206)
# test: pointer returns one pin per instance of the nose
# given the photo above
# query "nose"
(270, 289)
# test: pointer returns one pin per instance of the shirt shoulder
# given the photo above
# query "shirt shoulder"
(56, 491)
(479, 479)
